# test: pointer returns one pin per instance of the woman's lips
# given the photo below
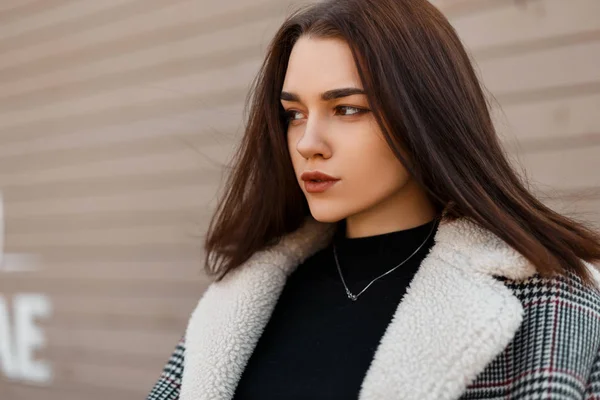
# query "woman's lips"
(318, 187)
(317, 181)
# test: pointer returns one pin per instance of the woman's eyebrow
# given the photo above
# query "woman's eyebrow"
(325, 96)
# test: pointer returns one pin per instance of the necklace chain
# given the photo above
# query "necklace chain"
(354, 297)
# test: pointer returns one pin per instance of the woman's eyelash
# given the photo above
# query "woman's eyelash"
(358, 110)
(290, 113)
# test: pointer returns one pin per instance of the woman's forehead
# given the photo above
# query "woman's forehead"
(318, 65)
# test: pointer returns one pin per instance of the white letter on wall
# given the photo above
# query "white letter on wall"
(8, 361)
(29, 336)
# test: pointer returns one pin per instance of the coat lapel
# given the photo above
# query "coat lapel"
(232, 314)
(454, 319)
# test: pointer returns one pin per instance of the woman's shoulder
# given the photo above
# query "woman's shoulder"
(561, 309)
(567, 290)
(556, 347)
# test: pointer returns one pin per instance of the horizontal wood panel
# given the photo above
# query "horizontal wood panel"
(114, 116)
(589, 193)
(105, 355)
(183, 161)
(157, 75)
(98, 376)
(102, 220)
(103, 306)
(95, 376)
(548, 93)
(165, 271)
(16, 391)
(530, 21)
(198, 145)
(41, 24)
(542, 145)
(134, 52)
(543, 121)
(136, 236)
(170, 198)
(110, 340)
(538, 70)
(8, 7)
(114, 20)
(20, 10)
(585, 210)
(178, 268)
(197, 127)
(150, 25)
(98, 152)
(86, 188)
(31, 283)
(566, 169)
(121, 322)
(458, 8)
(141, 67)
(134, 87)
(156, 360)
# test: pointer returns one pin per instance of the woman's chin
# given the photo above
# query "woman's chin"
(327, 216)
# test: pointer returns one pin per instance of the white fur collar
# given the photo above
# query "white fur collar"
(454, 319)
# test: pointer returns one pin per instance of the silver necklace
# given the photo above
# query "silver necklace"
(352, 296)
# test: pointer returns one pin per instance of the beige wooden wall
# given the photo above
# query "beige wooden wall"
(115, 118)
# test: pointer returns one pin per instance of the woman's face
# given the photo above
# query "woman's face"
(338, 135)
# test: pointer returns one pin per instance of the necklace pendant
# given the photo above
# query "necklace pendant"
(351, 296)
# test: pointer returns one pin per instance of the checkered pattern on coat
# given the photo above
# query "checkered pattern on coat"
(169, 383)
(554, 354)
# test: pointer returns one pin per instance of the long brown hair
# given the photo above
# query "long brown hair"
(428, 101)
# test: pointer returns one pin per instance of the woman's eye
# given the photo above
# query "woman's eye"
(292, 115)
(351, 110)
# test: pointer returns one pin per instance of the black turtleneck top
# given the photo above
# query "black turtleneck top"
(319, 344)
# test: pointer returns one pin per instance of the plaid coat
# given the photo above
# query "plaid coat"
(476, 322)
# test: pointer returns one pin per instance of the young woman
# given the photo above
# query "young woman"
(373, 241)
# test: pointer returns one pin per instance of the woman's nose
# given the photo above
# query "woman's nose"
(313, 141)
